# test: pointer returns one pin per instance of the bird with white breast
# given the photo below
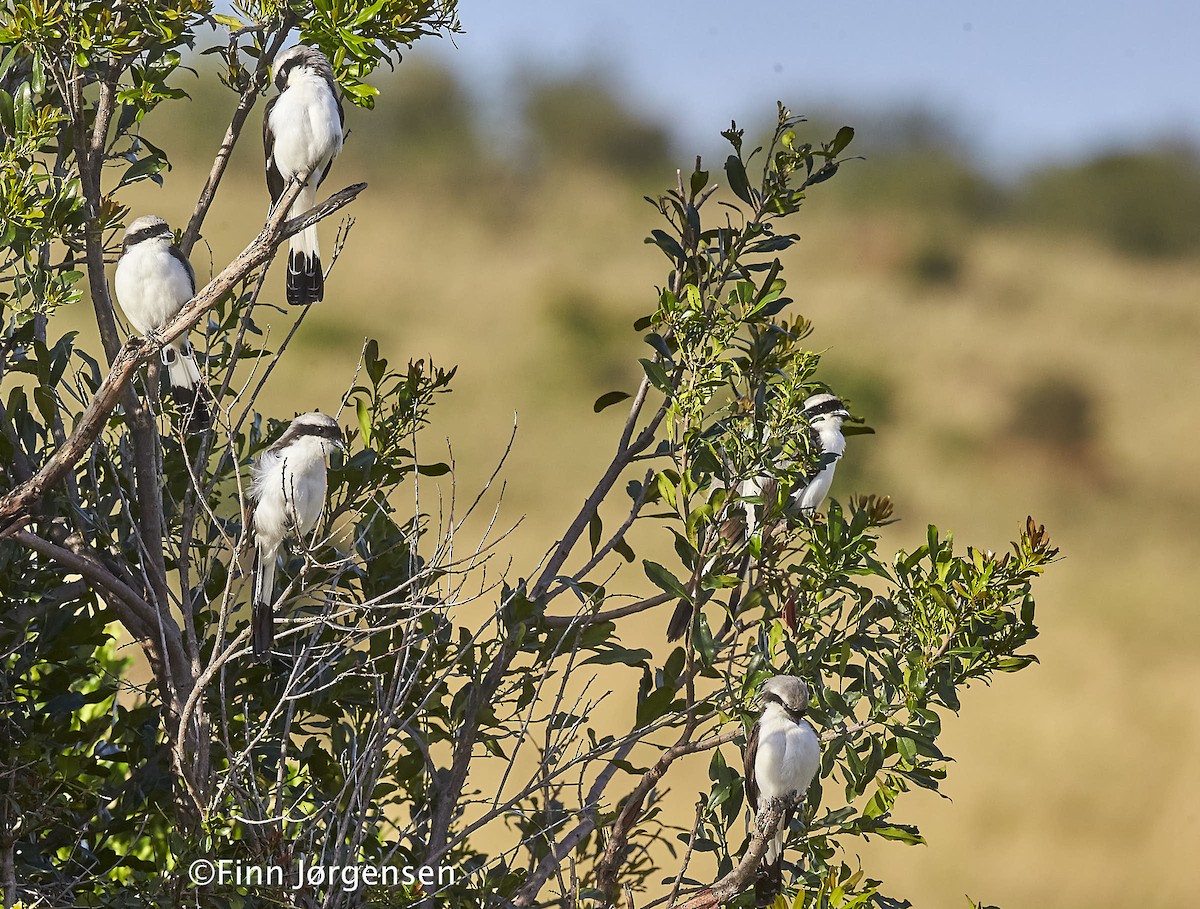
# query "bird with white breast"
(783, 754)
(288, 495)
(302, 134)
(153, 281)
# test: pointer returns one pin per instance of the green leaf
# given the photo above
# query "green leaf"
(375, 365)
(364, 420)
(609, 399)
(841, 140)
(657, 375)
(140, 170)
(636, 658)
(736, 171)
(664, 580)
(595, 528)
(667, 244)
(904, 833)
(433, 470)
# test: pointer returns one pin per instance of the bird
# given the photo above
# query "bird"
(302, 134)
(783, 754)
(823, 414)
(287, 493)
(153, 280)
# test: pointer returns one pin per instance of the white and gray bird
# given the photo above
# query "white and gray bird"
(288, 494)
(153, 280)
(302, 134)
(823, 414)
(783, 754)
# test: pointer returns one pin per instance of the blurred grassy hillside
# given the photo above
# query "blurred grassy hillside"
(1020, 348)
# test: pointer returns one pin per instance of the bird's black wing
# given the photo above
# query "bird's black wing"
(275, 182)
(751, 755)
(333, 90)
(187, 266)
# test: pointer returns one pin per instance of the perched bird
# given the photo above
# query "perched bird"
(302, 134)
(824, 414)
(154, 279)
(288, 493)
(783, 755)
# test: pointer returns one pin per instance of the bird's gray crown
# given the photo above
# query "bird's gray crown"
(317, 424)
(824, 405)
(145, 228)
(304, 57)
(787, 690)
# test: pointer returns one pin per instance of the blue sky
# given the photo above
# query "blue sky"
(1022, 80)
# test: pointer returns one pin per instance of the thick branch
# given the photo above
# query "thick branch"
(614, 855)
(138, 351)
(736, 880)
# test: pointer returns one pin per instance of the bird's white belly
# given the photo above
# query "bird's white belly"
(151, 288)
(307, 128)
(814, 493)
(787, 761)
(308, 496)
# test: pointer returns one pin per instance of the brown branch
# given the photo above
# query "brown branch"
(254, 88)
(138, 351)
(447, 798)
(846, 730)
(565, 621)
(614, 855)
(551, 862)
(625, 454)
(90, 156)
(136, 611)
(158, 638)
(724, 890)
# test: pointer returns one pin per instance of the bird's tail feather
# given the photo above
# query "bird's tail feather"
(263, 630)
(187, 389)
(305, 276)
(768, 883)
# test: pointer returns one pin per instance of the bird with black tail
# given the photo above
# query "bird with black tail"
(153, 281)
(302, 134)
(288, 495)
(783, 754)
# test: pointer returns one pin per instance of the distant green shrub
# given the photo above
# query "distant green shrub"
(1054, 411)
(1143, 203)
(581, 120)
(936, 264)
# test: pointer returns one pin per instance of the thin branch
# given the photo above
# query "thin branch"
(564, 621)
(724, 890)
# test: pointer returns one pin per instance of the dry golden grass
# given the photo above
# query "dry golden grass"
(1076, 780)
